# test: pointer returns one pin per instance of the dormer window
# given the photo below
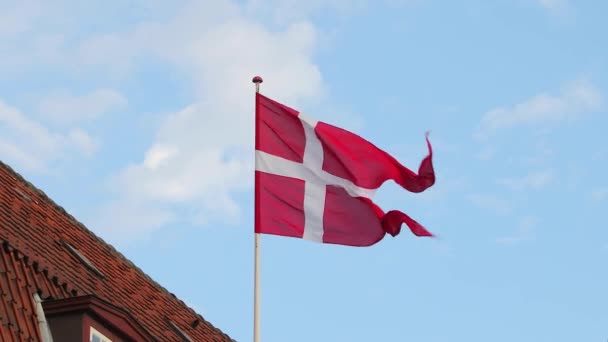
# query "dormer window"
(96, 336)
(90, 319)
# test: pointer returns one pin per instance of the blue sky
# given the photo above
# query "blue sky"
(137, 118)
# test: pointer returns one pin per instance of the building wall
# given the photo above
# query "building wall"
(67, 328)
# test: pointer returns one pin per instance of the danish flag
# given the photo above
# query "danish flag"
(315, 181)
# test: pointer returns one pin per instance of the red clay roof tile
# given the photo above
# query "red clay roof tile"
(33, 230)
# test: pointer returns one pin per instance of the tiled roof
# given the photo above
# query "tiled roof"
(19, 279)
(35, 231)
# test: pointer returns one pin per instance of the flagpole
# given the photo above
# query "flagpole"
(256, 283)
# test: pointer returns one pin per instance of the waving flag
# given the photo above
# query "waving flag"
(316, 181)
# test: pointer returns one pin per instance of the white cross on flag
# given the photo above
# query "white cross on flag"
(315, 181)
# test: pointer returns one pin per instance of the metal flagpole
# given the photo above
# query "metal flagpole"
(256, 283)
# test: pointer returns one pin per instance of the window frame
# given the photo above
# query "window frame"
(97, 333)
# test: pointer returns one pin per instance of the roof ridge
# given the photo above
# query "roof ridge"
(59, 208)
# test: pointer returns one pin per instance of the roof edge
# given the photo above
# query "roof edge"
(80, 225)
(38, 266)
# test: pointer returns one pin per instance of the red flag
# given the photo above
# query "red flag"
(315, 181)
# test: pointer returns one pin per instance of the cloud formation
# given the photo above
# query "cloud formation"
(574, 101)
(554, 5)
(523, 233)
(599, 194)
(201, 154)
(64, 107)
(27, 143)
(532, 180)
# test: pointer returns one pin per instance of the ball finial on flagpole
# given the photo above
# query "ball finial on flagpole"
(257, 80)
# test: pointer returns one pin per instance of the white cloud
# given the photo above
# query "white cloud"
(202, 154)
(30, 35)
(64, 107)
(599, 194)
(554, 5)
(127, 220)
(574, 101)
(189, 176)
(18, 17)
(83, 141)
(29, 144)
(533, 180)
(490, 202)
(285, 11)
(158, 155)
(12, 153)
(524, 232)
(13, 121)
